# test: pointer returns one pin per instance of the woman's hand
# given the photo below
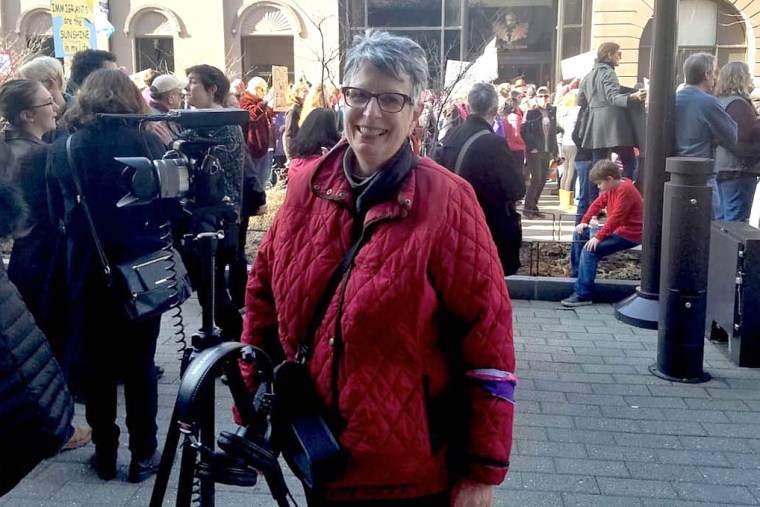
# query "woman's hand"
(161, 130)
(591, 244)
(471, 494)
(640, 95)
(580, 228)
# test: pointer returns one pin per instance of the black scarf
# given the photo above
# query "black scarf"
(386, 183)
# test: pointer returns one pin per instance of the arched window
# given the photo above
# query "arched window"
(709, 26)
(266, 37)
(37, 31)
(154, 41)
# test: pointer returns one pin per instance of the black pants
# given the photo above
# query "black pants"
(538, 167)
(239, 268)
(115, 345)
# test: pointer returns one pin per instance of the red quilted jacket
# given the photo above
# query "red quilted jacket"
(259, 133)
(430, 250)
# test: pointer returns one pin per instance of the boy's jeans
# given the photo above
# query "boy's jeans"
(584, 286)
(587, 192)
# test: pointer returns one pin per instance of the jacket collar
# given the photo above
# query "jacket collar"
(329, 182)
(479, 122)
(159, 106)
(12, 134)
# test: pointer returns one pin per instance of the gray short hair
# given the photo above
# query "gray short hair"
(42, 68)
(398, 57)
(483, 100)
(696, 66)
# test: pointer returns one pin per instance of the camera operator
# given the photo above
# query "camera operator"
(206, 89)
(112, 343)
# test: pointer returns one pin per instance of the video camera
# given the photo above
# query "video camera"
(189, 171)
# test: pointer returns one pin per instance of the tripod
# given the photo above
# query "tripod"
(201, 467)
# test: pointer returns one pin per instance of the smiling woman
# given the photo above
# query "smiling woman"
(402, 247)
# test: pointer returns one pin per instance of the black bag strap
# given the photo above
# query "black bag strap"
(83, 202)
(465, 147)
(305, 350)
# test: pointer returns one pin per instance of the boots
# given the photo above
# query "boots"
(566, 199)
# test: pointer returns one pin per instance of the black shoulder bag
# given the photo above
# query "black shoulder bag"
(148, 285)
(299, 417)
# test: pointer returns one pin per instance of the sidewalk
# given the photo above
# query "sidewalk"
(592, 426)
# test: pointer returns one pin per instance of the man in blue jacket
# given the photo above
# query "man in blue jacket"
(701, 122)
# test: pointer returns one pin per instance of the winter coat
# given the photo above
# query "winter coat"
(35, 406)
(259, 133)
(292, 116)
(608, 124)
(299, 163)
(33, 251)
(532, 131)
(125, 233)
(384, 365)
(512, 125)
(497, 180)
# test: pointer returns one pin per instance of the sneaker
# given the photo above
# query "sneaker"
(575, 300)
(261, 210)
(82, 436)
(104, 464)
(141, 469)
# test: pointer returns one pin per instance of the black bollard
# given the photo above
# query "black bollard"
(686, 218)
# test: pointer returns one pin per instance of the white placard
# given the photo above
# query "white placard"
(578, 66)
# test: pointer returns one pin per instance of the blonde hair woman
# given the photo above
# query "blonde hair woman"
(739, 168)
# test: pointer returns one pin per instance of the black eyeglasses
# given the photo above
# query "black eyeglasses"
(390, 102)
(48, 103)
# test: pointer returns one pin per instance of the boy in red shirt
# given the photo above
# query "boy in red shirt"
(621, 231)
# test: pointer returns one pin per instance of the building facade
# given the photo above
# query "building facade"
(247, 37)
(243, 37)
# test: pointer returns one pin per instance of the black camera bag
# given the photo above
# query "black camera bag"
(300, 430)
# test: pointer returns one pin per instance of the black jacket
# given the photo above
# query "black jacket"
(498, 182)
(33, 251)
(125, 233)
(35, 406)
(532, 131)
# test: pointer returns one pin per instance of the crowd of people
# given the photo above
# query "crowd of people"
(401, 219)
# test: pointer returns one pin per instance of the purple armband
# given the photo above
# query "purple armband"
(498, 383)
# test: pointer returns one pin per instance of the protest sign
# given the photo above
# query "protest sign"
(280, 87)
(73, 26)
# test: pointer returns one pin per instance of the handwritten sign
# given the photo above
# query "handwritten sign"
(73, 26)
(280, 86)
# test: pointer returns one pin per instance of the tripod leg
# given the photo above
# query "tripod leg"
(170, 449)
(186, 487)
(167, 460)
(208, 439)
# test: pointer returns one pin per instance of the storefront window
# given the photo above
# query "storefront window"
(390, 13)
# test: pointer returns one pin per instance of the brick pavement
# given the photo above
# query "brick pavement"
(593, 427)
